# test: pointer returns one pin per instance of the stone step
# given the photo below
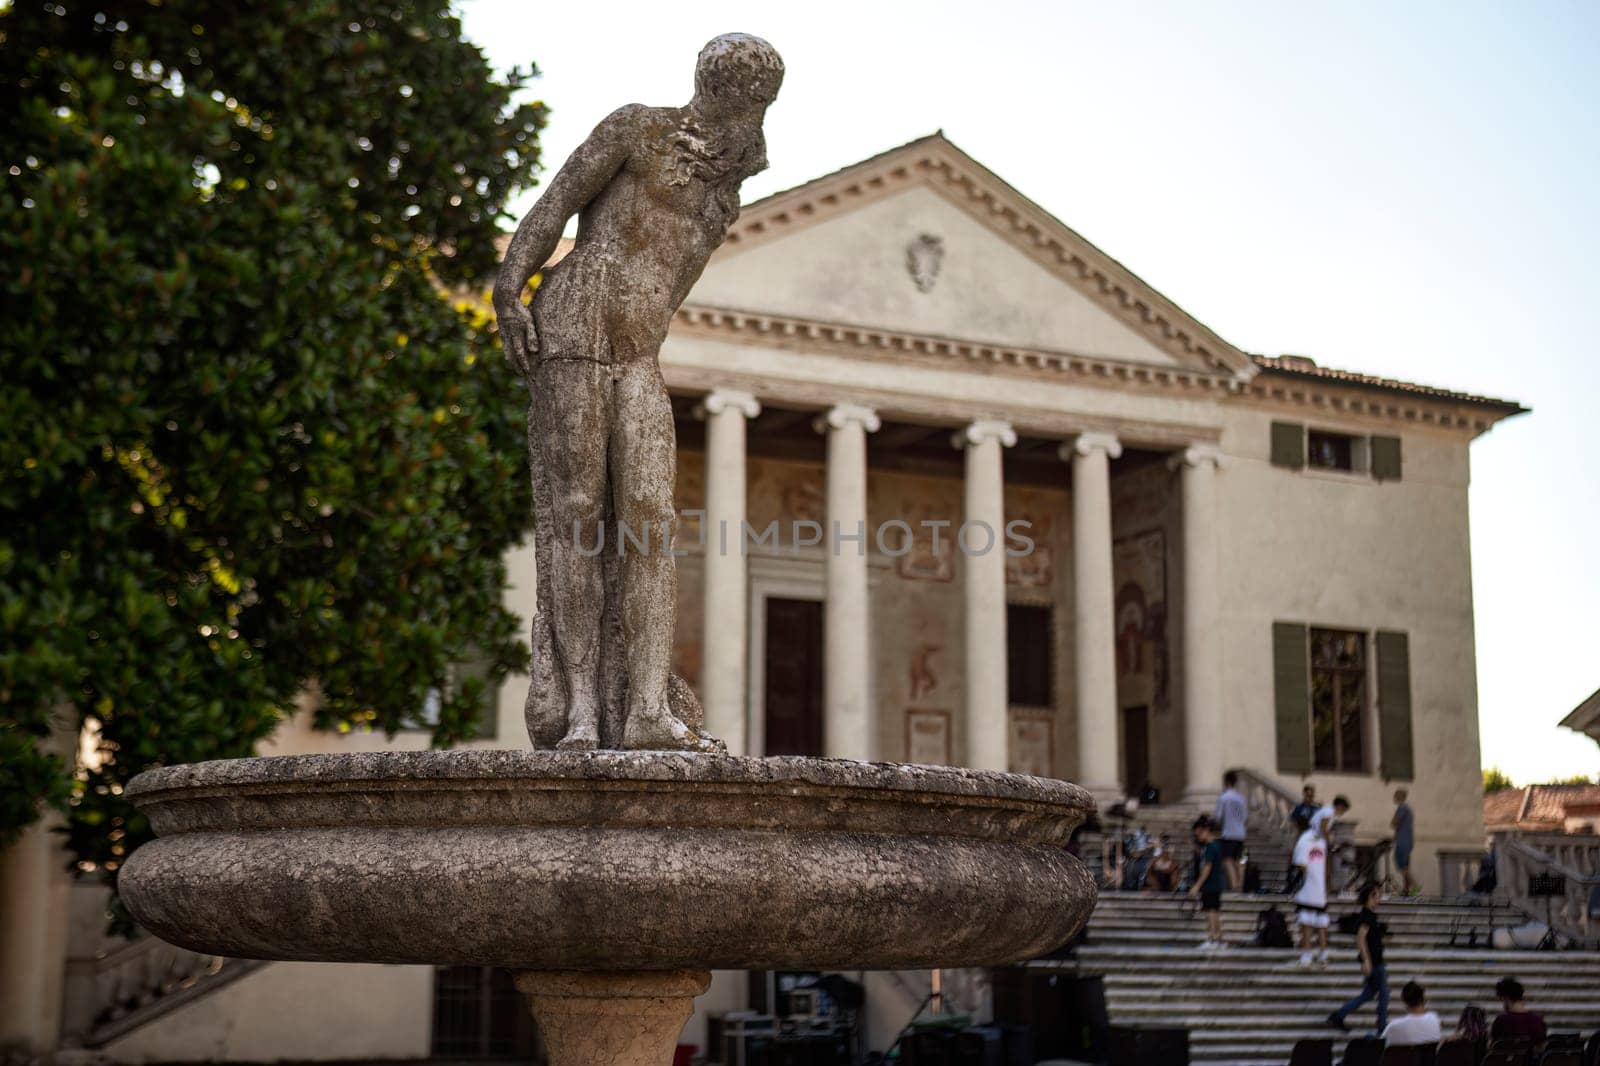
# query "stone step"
(1143, 957)
(1576, 988)
(1247, 1006)
(1316, 1010)
(1247, 917)
(1418, 904)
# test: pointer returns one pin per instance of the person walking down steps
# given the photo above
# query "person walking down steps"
(1375, 975)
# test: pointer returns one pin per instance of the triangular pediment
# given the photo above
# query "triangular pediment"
(924, 240)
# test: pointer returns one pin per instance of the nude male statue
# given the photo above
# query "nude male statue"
(655, 190)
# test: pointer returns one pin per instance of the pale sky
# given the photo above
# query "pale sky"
(1404, 189)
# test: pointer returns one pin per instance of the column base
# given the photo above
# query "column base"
(1204, 798)
(626, 1018)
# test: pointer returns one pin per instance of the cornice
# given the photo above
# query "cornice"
(1305, 399)
(936, 162)
(780, 330)
(1300, 396)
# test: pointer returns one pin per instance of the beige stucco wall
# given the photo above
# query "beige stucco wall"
(1350, 552)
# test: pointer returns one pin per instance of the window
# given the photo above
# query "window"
(479, 1014)
(1330, 451)
(1296, 447)
(1338, 699)
(1322, 696)
(1028, 643)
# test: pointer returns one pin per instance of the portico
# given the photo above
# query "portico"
(892, 524)
(1077, 410)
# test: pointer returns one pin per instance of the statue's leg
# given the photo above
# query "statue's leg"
(644, 470)
(571, 413)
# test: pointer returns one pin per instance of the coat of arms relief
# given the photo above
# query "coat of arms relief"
(923, 259)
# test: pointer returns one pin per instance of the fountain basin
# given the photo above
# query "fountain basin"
(607, 861)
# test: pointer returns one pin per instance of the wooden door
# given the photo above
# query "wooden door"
(792, 694)
(1135, 749)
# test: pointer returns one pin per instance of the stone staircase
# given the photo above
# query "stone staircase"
(1247, 1006)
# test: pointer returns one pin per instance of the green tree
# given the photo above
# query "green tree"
(247, 445)
(1496, 780)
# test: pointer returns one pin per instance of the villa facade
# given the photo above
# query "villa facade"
(990, 500)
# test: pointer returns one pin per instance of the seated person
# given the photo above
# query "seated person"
(1473, 1024)
(1418, 1026)
(1162, 876)
(1516, 1020)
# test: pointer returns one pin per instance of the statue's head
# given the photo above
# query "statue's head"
(737, 70)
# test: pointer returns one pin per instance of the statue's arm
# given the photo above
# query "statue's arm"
(583, 177)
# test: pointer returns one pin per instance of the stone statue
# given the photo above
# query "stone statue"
(655, 190)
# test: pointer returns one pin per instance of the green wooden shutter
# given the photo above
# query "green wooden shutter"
(1386, 458)
(1288, 444)
(1291, 685)
(1394, 706)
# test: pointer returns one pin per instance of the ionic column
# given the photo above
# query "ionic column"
(849, 726)
(726, 604)
(1094, 613)
(1203, 728)
(981, 541)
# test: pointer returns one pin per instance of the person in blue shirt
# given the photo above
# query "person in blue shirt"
(1308, 805)
(1231, 815)
(1404, 825)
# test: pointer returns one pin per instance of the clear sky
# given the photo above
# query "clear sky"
(1406, 189)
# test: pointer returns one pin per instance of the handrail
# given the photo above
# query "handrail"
(1266, 797)
(114, 993)
(1566, 914)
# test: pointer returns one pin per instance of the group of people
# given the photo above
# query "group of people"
(1420, 1027)
(1221, 838)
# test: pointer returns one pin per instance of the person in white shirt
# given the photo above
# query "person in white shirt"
(1311, 900)
(1418, 1026)
(1322, 823)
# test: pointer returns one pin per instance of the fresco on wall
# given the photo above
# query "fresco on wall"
(1033, 745)
(923, 681)
(928, 736)
(916, 501)
(1034, 569)
(1139, 568)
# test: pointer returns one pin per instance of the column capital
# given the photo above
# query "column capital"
(843, 414)
(981, 429)
(1086, 444)
(719, 400)
(1197, 455)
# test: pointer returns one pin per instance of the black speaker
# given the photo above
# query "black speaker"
(979, 1046)
(1127, 1046)
(928, 1047)
(1065, 1014)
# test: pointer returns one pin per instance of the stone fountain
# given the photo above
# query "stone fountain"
(618, 863)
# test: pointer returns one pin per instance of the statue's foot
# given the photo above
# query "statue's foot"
(657, 730)
(578, 742)
(583, 730)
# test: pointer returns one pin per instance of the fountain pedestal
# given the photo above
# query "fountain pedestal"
(611, 1019)
(611, 881)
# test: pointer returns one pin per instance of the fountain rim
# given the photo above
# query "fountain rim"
(503, 767)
